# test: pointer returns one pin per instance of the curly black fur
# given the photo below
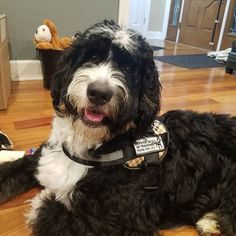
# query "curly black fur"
(197, 176)
(18, 176)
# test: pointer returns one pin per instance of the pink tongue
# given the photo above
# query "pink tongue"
(94, 117)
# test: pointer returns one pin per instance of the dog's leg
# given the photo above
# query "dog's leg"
(17, 177)
(216, 223)
(227, 207)
(222, 221)
(208, 225)
(49, 217)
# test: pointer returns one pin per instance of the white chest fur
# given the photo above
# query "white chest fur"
(55, 170)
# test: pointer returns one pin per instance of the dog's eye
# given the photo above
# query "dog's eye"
(88, 64)
(94, 58)
(127, 69)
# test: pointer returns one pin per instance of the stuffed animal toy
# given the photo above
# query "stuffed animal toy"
(46, 37)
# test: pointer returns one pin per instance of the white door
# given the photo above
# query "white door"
(139, 15)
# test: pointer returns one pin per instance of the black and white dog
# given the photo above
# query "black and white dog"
(107, 84)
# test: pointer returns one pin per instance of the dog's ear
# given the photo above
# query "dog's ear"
(149, 97)
(63, 74)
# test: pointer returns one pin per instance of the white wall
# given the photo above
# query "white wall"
(123, 14)
(156, 17)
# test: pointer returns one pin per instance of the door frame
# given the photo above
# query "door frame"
(161, 35)
(224, 22)
(124, 16)
(173, 31)
(180, 20)
(144, 27)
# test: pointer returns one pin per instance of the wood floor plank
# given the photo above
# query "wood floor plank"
(13, 222)
(32, 123)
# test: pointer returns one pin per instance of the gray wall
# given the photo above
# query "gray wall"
(24, 16)
(156, 18)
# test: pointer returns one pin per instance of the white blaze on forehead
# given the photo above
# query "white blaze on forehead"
(123, 38)
(101, 30)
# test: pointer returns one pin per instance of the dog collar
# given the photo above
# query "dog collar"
(148, 150)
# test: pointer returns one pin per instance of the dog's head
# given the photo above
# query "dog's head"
(108, 78)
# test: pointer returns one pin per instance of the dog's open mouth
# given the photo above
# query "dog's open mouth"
(93, 118)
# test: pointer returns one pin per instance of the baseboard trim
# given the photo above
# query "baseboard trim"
(156, 35)
(27, 78)
(22, 70)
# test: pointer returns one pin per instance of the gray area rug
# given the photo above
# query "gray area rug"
(192, 61)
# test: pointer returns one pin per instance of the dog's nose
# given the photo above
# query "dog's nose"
(99, 94)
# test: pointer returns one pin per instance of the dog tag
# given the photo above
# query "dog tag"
(148, 145)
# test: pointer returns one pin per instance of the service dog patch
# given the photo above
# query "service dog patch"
(148, 145)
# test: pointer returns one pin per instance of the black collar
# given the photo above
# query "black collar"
(108, 159)
(123, 148)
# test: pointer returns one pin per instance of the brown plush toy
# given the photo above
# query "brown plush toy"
(46, 37)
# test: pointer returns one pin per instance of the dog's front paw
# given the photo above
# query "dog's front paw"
(208, 225)
(36, 203)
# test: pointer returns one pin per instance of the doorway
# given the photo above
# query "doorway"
(200, 24)
(139, 16)
(148, 17)
(174, 19)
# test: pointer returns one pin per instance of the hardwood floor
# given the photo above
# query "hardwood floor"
(27, 120)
